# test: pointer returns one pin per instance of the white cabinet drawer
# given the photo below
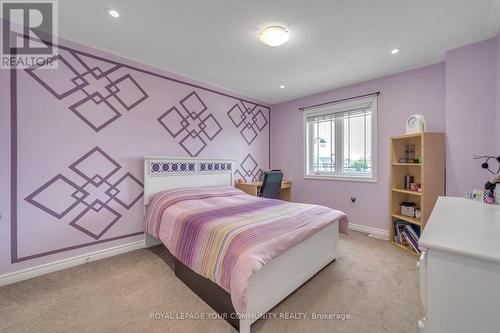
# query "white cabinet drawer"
(422, 275)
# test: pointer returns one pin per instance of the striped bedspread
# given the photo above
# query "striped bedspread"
(227, 235)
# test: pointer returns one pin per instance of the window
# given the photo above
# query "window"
(340, 140)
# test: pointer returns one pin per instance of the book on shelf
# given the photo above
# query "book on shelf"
(407, 235)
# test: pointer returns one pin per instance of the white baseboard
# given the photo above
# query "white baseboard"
(379, 233)
(32, 272)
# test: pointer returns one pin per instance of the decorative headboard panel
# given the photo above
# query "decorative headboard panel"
(164, 173)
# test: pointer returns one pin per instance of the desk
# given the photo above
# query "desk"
(254, 188)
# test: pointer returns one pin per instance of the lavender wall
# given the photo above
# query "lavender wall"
(416, 91)
(460, 97)
(76, 137)
(471, 97)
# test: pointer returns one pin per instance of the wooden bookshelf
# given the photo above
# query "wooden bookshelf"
(406, 191)
(404, 248)
(408, 219)
(406, 164)
(429, 172)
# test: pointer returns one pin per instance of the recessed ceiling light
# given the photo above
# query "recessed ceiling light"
(113, 13)
(395, 51)
(282, 86)
(274, 35)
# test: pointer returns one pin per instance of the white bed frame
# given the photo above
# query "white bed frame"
(280, 277)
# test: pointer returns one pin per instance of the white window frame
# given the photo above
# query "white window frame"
(340, 107)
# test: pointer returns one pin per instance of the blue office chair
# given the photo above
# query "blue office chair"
(271, 185)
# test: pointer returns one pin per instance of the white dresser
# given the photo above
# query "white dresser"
(460, 268)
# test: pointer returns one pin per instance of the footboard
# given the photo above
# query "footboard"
(273, 283)
(284, 274)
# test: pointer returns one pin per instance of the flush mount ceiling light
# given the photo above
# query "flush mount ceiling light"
(113, 13)
(282, 86)
(395, 51)
(274, 35)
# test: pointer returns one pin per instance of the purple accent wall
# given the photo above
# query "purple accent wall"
(471, 97)
(416, 91)
(72, 142)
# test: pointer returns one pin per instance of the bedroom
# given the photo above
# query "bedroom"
(250, 165)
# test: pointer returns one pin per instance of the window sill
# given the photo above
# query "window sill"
(343, 178)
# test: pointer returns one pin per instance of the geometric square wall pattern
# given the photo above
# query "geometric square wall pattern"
(90, 115)
(103, 100)
(60, 195)
(249, 119)
(248, 170)
(190, 123)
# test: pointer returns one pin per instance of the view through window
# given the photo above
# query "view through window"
(340, 140)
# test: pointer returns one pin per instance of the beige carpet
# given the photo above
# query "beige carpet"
(372, 281)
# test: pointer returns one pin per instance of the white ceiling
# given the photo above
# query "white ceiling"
(332, 43)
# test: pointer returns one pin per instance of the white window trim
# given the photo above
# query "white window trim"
(336, 108)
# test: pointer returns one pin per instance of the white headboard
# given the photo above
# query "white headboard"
(165, 173)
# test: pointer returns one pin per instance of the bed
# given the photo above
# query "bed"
(241, 254)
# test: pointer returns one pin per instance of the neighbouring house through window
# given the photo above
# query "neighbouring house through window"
(340, 140)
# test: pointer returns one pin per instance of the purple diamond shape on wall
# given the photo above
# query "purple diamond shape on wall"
(126, 191)
(193, 104)
(260, 120)
(248, 133)
(249, 118)
(95, 221)
(249, 169)
(96, 71)
(113, 191)
(57, 197)
(187, 122)
(210, 127)
(97, 98)
(173, 121)
(193, 145)
(97, 179)
(95, 166)
(128, 92)
(249, 164)
(79, 194)
(113, 89)
(79, 81)
(104, 99)
(236, 115)
(95, 112)
(60, 195)
(60, 82)
(97, 205)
